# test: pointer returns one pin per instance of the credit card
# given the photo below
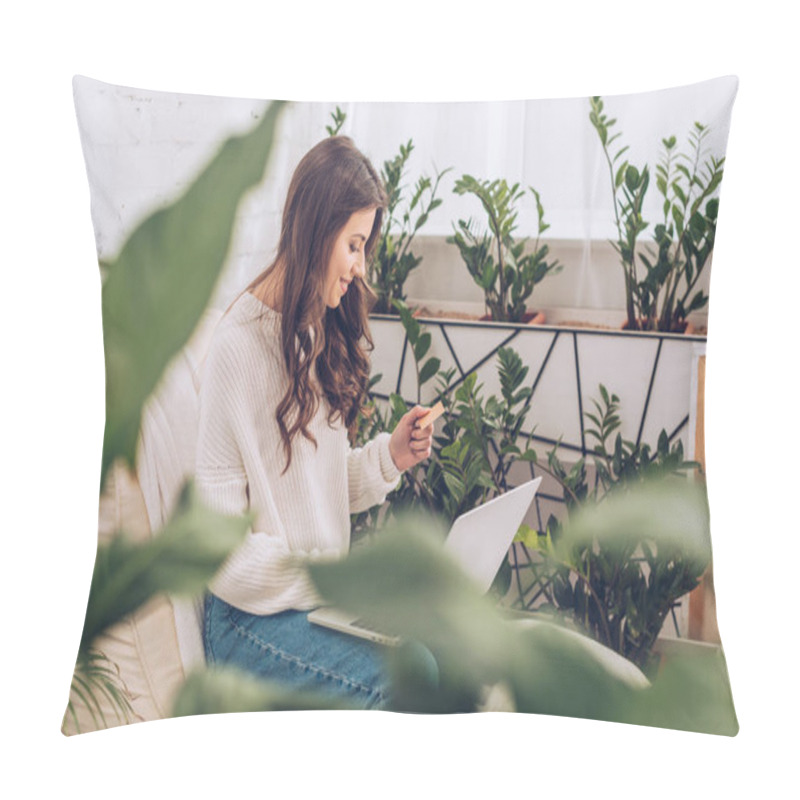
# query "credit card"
(431, 416)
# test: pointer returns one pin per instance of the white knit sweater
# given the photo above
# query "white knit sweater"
(303, 512)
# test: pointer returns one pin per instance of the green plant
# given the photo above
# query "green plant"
(394, 260)
(458, 642)
(152, 297)
(662, 295)
(478, 441)
(629, 186)
(377, 419)
(496, 261)
(685, 239)
(337, 120)
(97, 684)
(617, 589)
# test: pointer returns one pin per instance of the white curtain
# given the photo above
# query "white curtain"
(548, 144)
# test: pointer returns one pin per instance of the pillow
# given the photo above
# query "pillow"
(604, 213)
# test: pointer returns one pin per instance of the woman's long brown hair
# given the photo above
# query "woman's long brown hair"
(327, 346)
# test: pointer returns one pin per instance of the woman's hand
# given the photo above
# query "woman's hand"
(411, 444)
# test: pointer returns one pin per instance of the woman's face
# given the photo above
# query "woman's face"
(347, 257)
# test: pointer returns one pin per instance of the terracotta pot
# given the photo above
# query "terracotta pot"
(538, 318)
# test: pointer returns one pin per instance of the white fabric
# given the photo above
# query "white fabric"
(304, 511)
(165, 460)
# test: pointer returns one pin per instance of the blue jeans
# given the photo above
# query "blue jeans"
(286, 648)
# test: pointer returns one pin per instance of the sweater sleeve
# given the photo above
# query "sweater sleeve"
(371, 473)
(259, 575)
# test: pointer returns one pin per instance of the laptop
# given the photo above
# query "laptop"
(478, 541)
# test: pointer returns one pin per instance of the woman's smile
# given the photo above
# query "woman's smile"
(347, 260)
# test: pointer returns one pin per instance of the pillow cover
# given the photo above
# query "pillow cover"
(602, 212)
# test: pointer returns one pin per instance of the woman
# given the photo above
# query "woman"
(283, 384)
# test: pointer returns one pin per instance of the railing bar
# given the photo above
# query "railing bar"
(541, 371)
(458, 323)
(580, 395)
(649, 392)
(452, 350)
(402, 364)
(486, 358)
(675, 621)
(680, 427)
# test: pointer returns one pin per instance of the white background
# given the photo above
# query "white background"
(53, 385)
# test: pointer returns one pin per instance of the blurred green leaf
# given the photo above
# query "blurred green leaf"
(558, 671)
(221, 690)
(527, 536)
(405, 582)
(176, 254)
(691, 692)
(181, 560)
(674, 512)
(458, 644)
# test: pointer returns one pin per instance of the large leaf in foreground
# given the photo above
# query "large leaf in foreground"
(163, 278)
(671, 512)
(458, 644)
(406, 582)
(559, 671)
(181, 559)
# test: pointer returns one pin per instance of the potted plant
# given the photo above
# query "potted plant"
(394, 260)
(619, 590)
(496, 262)
(664, 294)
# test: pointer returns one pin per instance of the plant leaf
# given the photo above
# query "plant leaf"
(404, 581)
(221, 690)
(177, 252)
(429, 369)
(671, 512)
(181, 559)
